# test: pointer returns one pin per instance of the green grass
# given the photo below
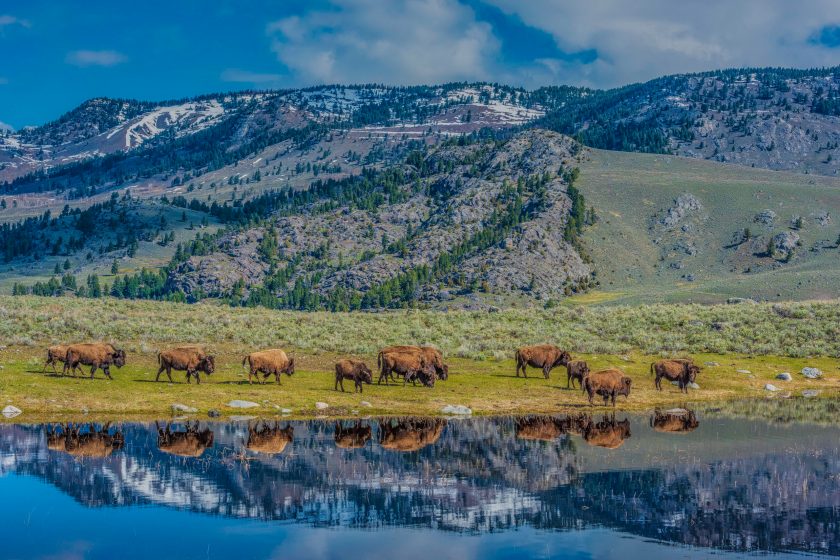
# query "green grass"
(479, 346)
(627, 189)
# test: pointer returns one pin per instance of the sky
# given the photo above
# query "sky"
(54, 54)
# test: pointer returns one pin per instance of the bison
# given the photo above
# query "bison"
(544, 356)
(540, 428)
(410, 434)
(430, 354)
(268, 362)
(577, 369)
(677, 420)
(97, 355)
(189, 443)
(57, 353)
(607, 433)
(410, 365)
(189, 358)
(354, 370)
(270, 440)
(684, 372)
(92, 443)
(353, 437)
(607, 383)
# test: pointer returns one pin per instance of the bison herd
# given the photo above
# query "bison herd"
(411, 363)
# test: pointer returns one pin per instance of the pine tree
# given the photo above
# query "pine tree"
(115, 267)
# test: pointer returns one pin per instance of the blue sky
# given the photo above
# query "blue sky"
(54, 54)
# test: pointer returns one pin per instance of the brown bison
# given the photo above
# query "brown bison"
(677, 420)
(410, 434)
(544, 356)
(540, 428)
(55, 354)
(577, 369)
(431, 354)
(97, 355)
(607, 383)
(270, 440)
(83, 445)
(410, 365)
(189, 443)
(607, 433)
(684, 372)
(268, 362)
(189, 358)
(354, 370)
(352, 437)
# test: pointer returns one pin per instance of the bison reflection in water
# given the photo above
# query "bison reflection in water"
(270, 440)
(608, 433)
(548, 428)
(352, 437)
(89, 444)
(410, 434)
(189, 443)
(676, 420)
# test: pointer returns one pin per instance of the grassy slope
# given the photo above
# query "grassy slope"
(627, 189)
(479, 347)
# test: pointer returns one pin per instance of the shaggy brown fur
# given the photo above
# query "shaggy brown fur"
(543, 356)
(682, 421)
(189, 358)
(55, 354)
(410, 434)
(577, 369)
(271, 440)
(429, 353)
(96, 355)
(607, 383)
(354, 370)
(607, 433)
(684, 372)
(268, 362)
(410, 365)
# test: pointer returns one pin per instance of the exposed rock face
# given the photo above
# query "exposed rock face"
(786, 241)
(684, 205)
(356, 249)
(766, 217)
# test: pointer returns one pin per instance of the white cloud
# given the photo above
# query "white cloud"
(398, 42)
(643, 39)
(86, 58)
(237, 75)
(7, 20)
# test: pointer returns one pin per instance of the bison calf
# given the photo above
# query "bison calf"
(607, 383)
(55, 354)
(543, 356)
(577, 369)
(354, 370)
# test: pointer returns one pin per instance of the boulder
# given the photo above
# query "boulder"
(456, 409)
(178, 407)
(711, 364)
(285, 411)
(770, 387)
(784, 376)
(321, 405)
(365, 403)
(810, 393)
(743, 371)
(11, 411)
(812, 373)
(213, 413)
(766, 217)
(242, 404)
(786, 241)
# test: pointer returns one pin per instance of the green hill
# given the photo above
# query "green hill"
(639, 259)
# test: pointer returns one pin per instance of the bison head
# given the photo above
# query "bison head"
(119, 358)
(692, 373)
(625, 389)
(443, 372)
(365, 374)
(564, 358)
(290, 369)
(207, 364)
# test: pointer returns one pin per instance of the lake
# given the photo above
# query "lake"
(668, 486)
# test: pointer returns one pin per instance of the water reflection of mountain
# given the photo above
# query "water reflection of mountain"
(730, 485)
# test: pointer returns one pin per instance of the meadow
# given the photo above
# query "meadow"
(763, 339)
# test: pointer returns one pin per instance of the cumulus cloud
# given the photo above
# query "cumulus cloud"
(643, 39)
(399, 41)
(86, 58)
(246, 76)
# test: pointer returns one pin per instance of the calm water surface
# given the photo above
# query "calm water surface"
(537, 487)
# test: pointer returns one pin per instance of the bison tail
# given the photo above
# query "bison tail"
(245, 359)
(652, 369)
(379, 360)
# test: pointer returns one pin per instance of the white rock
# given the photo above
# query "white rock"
(321, 405)
(812, 373)
(784, 376)
(743, 371)
(242, 404)
(365, 403)
(11, 411)
(810, 393)
(456, 409)
(694, 385)
(285, 411)
(178, 407)
(770, 387)
(711, 364)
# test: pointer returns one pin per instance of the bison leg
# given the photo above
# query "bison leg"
(337, 382)
(359, 385)
(658, 382)
(546, 371)
(107, 370)
(160, 370)
(92, 370)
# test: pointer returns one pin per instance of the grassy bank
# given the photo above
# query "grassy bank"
(763, 339)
